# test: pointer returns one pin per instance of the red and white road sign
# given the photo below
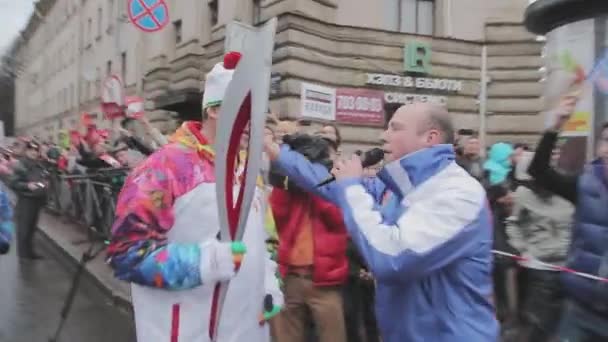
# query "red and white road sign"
(112, 97)
(148, 15)
(135, 107)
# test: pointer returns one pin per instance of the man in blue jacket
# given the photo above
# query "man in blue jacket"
(423, 227)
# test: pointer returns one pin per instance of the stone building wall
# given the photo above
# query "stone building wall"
(167, 68)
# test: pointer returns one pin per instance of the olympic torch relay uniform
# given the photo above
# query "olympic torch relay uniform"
(164, 241)
(428, 244)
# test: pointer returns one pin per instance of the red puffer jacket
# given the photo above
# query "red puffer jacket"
(329, 234)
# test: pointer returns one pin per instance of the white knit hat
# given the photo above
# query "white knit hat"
(217, 80)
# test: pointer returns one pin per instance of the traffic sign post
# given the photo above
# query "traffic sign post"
(148, 15)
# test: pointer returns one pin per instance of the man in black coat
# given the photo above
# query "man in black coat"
(29, 181)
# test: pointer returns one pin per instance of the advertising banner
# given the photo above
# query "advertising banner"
(360, 106)
(569, 57)
(318, 102)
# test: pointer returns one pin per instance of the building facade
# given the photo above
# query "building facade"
(364, 57)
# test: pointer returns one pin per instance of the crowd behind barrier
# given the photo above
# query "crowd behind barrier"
(87, 198)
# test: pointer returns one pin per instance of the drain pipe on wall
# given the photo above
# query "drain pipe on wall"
(483, 96)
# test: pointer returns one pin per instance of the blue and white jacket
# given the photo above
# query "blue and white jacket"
(589, 247)
(6, 222)
(429, 246)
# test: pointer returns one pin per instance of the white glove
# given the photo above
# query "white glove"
(217, 262)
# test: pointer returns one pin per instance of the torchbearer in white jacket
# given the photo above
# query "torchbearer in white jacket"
(165, 241)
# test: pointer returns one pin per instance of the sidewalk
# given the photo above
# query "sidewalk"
(71, 241)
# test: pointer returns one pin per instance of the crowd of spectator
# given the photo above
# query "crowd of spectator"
(327, 285)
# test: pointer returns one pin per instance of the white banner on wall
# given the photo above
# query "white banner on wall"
(318, 102)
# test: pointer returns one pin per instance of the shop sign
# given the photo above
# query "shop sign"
(440, 84)
(275, 83)
(318, 102)
(411, 98)
(360, 106)
(417, 58)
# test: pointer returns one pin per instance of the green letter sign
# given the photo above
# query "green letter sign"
(417, 57)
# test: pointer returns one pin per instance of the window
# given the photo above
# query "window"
(123, 67)
(110, 13)
(71, 96)
(99, 22)
(89, 28)
(177, 30)
(416, 16)
(257, 12)
(109, 68)
(142, 85)
(98, 80)
(213, 12)
(425, 17)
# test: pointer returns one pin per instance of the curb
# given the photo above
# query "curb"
(67, 259)
(68, 254)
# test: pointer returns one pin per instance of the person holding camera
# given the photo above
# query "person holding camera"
(29, 181)
(312, 250)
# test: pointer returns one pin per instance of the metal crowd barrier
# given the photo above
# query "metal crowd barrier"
(87, 198)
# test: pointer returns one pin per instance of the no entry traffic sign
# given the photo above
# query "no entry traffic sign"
(148, 15)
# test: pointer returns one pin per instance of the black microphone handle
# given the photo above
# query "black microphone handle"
(326, 181)
(371, 157)
(364, 164)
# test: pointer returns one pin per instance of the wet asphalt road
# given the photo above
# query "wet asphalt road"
(32, 294)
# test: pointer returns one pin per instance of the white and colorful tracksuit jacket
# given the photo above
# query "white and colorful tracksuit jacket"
(424, 229)
(166, 213)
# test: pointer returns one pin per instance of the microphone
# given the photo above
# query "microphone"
(370, 158)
